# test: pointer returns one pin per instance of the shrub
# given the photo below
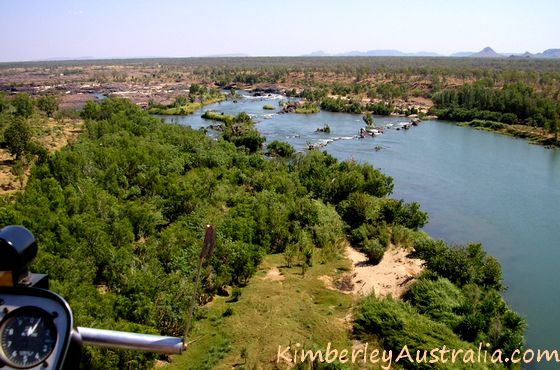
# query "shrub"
(329, 227)
(398, 324)
(279, 149)
(373, 250)
(359, 208)
(235, 294)
(405, 214)
(48, 104)
(17, 137)
(401, 236)
(228, 312)
(250, 139)
(23, 104)
(439, 299)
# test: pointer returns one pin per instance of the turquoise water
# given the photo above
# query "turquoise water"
(476, 186)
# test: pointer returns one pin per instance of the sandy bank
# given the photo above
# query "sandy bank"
(392, 276)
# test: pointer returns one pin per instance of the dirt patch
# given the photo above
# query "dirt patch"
(9, 181)
(392, 276)
(57, 134)
(274, 275)
(327, 280)
(160, 363)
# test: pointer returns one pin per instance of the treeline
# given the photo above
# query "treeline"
(273, 70)
(23, 105)
(479, 67)
(513, 103)
(352, 106)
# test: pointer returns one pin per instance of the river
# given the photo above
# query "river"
(476, 186)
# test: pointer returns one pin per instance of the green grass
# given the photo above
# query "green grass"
(188, 108)
(268, 107)
(215, 116)
(308, 109)
(298, 309)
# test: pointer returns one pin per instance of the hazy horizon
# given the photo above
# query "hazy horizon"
(65, 29)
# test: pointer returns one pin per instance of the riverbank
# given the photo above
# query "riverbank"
(534, 135)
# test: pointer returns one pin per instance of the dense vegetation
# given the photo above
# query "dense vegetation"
(514, 103)
(21, 119)
(119, 217)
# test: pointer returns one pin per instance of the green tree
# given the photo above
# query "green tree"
(17, 137)
(23, 104)
(48, 104)
(180, 101)
(195, 89)
(91, 110)
(4, 102)
(279, 149)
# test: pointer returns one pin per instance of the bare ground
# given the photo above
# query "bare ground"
(391, 277)
(274, 274)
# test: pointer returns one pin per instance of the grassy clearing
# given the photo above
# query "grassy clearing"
(271, 311)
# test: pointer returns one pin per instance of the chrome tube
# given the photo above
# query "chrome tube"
(134, 341)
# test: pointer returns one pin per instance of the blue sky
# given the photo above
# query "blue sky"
(40, 29)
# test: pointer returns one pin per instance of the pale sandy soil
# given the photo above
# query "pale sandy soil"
(274, 274)
(391, 277)
(9, 182)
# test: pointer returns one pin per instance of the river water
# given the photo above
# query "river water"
(476, 186)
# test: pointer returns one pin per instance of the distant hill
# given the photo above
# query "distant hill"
(487, 52)
(549, 53)
(318, 53)
(374, 53)
(525, 55)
